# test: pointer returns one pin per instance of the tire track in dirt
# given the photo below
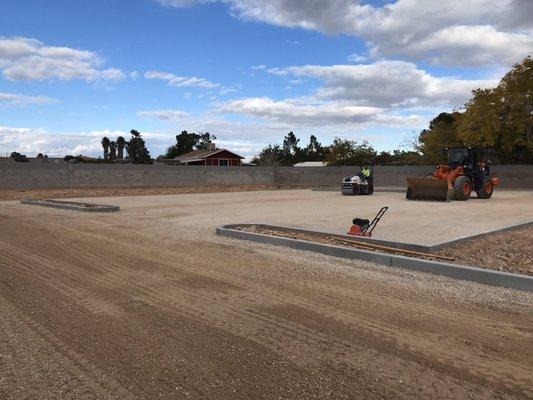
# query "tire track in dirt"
(40, 362)
(199, 367)
(288, 332)
(282, 334)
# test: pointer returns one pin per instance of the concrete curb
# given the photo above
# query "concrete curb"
(70, 205)
(462, 272)
(397, 245)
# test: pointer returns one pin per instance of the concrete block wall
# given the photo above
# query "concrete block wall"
(64, 175)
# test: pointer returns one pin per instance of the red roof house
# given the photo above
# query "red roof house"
(212, 156)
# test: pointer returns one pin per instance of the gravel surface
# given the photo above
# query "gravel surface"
(510, 251)
(151, 304)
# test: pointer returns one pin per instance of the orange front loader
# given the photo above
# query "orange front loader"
(466, 172)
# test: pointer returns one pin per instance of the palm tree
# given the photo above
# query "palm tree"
(121, 143)
(105, 145)
(112, 150)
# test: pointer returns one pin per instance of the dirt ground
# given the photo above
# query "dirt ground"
(510, 251)
(13, 194)
(148, 303)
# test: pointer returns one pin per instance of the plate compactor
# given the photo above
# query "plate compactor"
(363, 227)
(466, 172)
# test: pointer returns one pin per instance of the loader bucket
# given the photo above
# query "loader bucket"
(428, 189)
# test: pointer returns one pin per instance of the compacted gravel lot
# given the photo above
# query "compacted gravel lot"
(149, 303)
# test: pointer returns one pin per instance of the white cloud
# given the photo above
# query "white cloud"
(290, 111)
(32, 141)
(481, 32)
(386, 84)
(357, 58)
(181, 81)
(21, 100)
(163, 114)
(29, 59)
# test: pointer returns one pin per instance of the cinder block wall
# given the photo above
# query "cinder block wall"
(64, 175)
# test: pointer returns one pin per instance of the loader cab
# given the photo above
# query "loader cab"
(467, 157)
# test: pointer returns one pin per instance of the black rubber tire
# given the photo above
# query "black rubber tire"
(459, 188)
(486, 191)
(409, 194)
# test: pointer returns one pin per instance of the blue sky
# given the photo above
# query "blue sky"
(247, 71)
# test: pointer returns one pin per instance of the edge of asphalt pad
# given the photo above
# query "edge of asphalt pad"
(71, 205)
(456, 271)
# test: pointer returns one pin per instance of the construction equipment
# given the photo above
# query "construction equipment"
(359, 184)
(363, 227)
(466, 172)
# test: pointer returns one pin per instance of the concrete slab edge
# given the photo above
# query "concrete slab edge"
(456, 271)
(397, 245)
(101, 209)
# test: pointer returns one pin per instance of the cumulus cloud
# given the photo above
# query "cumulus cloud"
(386, 84)
(21, 100)
(290, 111)
(163, 114)
(318, 115)
(387, 93)
(29, 59)
(181, 81)
(482, 32)
(32, 141)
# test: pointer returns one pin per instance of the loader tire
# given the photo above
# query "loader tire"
(486, 191)
(409, 194)
(462, 187)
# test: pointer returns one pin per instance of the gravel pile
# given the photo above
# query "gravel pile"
(510, 251)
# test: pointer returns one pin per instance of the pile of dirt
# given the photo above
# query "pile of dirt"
(15, 194)
(510, 251)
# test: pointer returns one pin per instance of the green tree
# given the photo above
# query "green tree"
(136, 148)
(401, 157)
(105, 145)
(203, 140)
(292, 154)
(384, 158)
(441, 133)
(121, 143)
(112, 150)
(314, 150)
(270, 156)
(348, 152)
(186, 142)
(501, 119)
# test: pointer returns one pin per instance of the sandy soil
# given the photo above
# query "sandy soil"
(14, 194)
(131, 306)
(510, 251)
